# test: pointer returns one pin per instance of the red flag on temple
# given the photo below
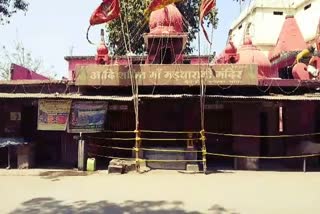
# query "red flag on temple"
(159, 4)
(107, 11)
(205, 8)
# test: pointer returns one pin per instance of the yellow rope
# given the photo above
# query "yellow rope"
(261, 157)
(170, 161)
(168, 139)
(110, 157)
(212, 154)
(115, 139)
(169, 150)
(169, 132)
(144, 149)
(111, 147)
(215, 133)
(123, 132)
(143, 139)
(262, 136)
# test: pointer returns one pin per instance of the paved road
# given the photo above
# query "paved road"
(161, 192)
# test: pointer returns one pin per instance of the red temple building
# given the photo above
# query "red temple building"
(254, 106)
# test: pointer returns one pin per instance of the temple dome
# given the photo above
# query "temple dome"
(250, 54)
(167, 20)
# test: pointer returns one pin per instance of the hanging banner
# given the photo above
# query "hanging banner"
(53, 115)
(87, 117)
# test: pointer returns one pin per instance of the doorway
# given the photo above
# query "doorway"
(219, 121)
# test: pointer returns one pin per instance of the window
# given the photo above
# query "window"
(277, 13)
(240, 27)
(307, 7)
(249, 29)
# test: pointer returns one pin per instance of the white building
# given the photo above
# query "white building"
(263, 20)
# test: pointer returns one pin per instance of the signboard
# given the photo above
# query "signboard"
(53, 114)
(164, 75)
(87, 117)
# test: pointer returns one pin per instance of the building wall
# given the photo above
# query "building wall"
(308, 20)
(246, 120)
(299, 118)
(266, 24)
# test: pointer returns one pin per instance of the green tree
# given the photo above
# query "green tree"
(20, 56)
(10, 7)
(134, 22)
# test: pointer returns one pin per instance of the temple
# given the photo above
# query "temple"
(169, 110)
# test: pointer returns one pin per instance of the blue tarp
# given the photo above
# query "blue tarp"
(5, 142)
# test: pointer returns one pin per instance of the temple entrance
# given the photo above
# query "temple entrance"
(45, 146)
(167, 56)
(119, 118)
(168, 118)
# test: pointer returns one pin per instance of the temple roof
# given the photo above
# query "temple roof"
(290, 39)
(21, 73)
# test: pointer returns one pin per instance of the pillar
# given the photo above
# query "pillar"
(81, 155)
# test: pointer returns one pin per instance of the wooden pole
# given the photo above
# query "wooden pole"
(9, 158)
(137, 149)
(204, 151)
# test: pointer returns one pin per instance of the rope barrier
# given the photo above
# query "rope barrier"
(210, 154)
(170, 161)
(110, 157)
(121, 132)
(144, 149)
(262, 157)
(169, 132)
(144, 160)
(169, 150)
(207, 153)
(115, 139)
(168, 139)
(110, 147)
(144, 139)
(263, 136)
(209, 133)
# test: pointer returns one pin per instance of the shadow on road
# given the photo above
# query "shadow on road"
(55, 175)
(50, 205)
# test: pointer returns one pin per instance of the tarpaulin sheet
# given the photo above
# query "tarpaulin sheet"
(5, 142)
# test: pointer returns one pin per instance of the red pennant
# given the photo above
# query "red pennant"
(107, 11)
(205, 8)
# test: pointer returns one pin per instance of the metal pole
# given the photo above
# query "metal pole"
(305, 165)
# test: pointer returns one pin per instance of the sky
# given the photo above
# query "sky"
(53, 29)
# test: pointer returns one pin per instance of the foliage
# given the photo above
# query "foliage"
(134, 22)
(10, 7)
(20, 56)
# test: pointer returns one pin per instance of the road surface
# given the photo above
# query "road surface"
(160, 192)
